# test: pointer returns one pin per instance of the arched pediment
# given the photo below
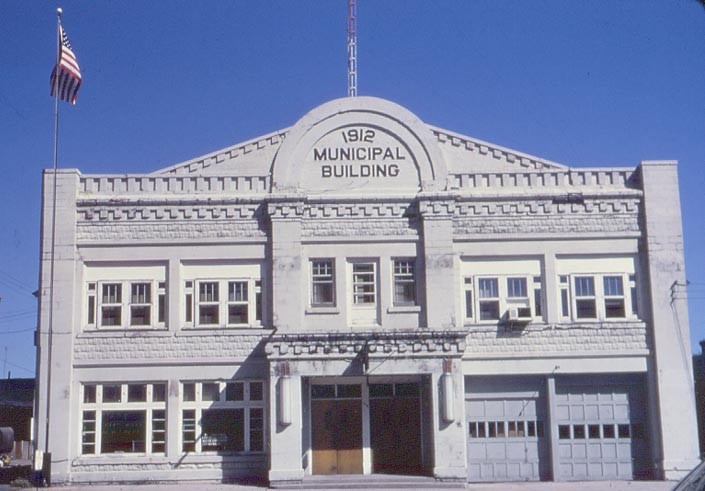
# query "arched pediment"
(359, 145)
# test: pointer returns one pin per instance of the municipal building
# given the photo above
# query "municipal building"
(364, 293)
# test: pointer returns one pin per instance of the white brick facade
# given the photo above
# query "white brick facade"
(357, 264)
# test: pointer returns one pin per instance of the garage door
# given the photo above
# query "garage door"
(601, 430)
(505, 430)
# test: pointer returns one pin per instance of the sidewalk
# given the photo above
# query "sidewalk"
(522, 486)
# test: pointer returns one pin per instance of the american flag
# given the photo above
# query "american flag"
(67, 71)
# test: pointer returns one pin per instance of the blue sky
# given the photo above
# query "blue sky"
(584, 83)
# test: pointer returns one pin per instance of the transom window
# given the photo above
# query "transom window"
(222, 416)
(322, 283)
(123, 418)
(404, 271)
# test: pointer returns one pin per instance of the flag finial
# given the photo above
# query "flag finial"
(59, 10)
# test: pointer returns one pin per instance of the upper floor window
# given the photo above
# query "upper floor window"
(364, 284)
(322, 283)
(223, 302)
(496, 290)
(126, 304)
(502, 298)
(132, 295)
(598, 296)
(404, 271)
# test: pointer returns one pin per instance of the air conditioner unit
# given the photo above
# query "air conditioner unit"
(519, 314)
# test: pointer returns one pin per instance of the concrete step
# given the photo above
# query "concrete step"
(377, 481)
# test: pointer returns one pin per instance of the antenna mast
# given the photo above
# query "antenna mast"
(352, 48)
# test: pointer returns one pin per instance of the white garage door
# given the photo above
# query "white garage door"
(505, 430)
(600, 430)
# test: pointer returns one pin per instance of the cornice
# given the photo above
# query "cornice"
(521, 160)
(200, 163)
(390, 343)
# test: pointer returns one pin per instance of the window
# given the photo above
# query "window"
(123, 418)
(614, 297)
(322, 283)
(585, 302)
(598, 296)
(208, 305)
(223, 302)
(222, 416)
(238, 305)
(491, 298)
(364, 284)
(111, 304)
(404, 282)
(126, 304)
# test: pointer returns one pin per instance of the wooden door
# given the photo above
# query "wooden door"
(336, 431)
(395, 431)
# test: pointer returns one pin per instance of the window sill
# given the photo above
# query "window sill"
(322, 311)
(404, 309)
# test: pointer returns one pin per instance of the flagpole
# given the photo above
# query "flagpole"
(53, 225)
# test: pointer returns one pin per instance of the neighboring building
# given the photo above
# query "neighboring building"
(17, 406)
(699, 375)
(364, 293)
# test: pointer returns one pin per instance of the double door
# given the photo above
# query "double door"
(393, 413)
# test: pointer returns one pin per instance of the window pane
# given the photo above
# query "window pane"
(159, 392)
(112, 293)
(234, 391)
(112, 393)
(614, 307)
(586, 309)
(381, 390)
(489, 287)
(516, 288)
(584, 286)
(256, 430)
(210, 392)
(88, 433)
(189, 392)
(141, 293)
(136, 393)
(364, 284)
(237, 291)
(322, 391)
(208, 292)
(613, 286)
(208, 314)
(564, 432)
(349, 391)
(564, 303)
(223, 430)
(140, 316)
(88, 393)
(158, 431)
(322, 294)
(111, 316)
(188, 430)
(238, 314)
(468, 304)
(123, 431)
(256, 391)
(489, 310)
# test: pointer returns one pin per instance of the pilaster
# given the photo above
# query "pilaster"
(439, 261)
(57, 324)
(669, 320)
